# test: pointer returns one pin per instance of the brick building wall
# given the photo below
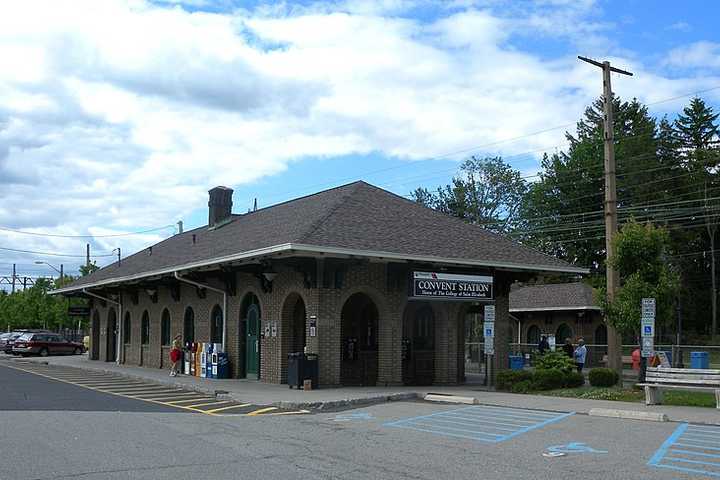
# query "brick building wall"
(324, 304)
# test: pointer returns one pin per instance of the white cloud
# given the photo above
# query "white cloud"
(702, 55)
(121, 114)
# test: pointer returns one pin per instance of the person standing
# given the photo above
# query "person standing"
(543, 346)
(580, 355)
(175, 355)
(568, 348)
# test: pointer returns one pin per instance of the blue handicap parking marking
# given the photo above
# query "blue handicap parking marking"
(691, 449)
(482, 423)
(574, 447)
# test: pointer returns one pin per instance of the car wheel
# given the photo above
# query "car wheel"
(77, 351)
(43, 352)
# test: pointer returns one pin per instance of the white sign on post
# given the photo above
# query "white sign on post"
(647, 328)
(489, 329)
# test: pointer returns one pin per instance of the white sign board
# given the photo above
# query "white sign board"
(489, 334)
(648, 307)
(647, 327)
(489, 313)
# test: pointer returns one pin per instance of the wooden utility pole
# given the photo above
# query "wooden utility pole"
(13, 278)
(87, 255)
(611, 222)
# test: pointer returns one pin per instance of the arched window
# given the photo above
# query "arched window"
(189, 325)
(145, 328)
(127, 332)
(165, 328)
(563, 332)
(216, 324)
(601, 335)
(533, 335)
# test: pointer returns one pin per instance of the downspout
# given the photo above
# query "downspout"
(119, 351)
(224, 307)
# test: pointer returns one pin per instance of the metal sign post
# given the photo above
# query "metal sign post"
(647, 334)
(489, 335)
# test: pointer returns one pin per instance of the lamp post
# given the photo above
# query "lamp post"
(60, 271)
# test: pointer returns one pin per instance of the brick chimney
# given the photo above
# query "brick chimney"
(220, 205)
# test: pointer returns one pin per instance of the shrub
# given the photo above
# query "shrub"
(524, 386)
(550, 379)
(555, 361)
(603, 377)
(574, 380)
(507, 378)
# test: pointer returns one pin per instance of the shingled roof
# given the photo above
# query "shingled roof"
(356, 219)
(559, 296)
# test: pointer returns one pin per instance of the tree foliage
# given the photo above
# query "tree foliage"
(486, 191)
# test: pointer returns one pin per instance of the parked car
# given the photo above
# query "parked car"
(3, 339)
(10, 340)
(45, 344)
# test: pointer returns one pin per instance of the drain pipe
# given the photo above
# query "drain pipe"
(119, 323)
(224, 307)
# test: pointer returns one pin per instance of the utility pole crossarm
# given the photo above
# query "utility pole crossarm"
(598, 64)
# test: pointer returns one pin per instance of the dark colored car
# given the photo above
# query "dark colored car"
(45, 344)
(7, 344)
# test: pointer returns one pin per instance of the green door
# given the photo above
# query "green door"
(253, 341)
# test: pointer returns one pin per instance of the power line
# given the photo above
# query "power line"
(57, 235)
(54, 254)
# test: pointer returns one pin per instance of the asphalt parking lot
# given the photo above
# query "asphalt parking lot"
(55, 429)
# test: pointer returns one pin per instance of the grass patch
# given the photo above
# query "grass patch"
(690, 399)
(599, 393)
(677, 398)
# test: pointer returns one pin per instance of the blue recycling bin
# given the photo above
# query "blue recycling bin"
(516, 362)
(700, 360)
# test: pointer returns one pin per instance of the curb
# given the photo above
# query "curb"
(444, 398)
(347, 403)
(628, 414)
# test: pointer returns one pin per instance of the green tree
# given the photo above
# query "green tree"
(698, 140)
(89, 268)
(641, 260)
(486, 191)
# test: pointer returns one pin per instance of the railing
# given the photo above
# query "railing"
(678, 355)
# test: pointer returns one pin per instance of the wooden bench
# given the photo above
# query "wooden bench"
(658, 379)
(626, 360)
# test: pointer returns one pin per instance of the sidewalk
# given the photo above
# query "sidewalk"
(250, 391)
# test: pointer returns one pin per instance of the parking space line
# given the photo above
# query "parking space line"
(261, 411)
(188, 400)
(159, 395)
(222, 409)
(206, 404)
(693, 456)
(477, 422)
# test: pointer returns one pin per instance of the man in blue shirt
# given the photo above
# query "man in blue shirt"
(580, 355)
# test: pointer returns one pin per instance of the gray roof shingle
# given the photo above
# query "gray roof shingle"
(552, 297)
(357, 216)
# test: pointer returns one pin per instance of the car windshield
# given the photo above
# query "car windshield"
(25, 336)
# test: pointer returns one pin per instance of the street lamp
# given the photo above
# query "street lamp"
(60, 271)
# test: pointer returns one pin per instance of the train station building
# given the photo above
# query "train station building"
(382, 289)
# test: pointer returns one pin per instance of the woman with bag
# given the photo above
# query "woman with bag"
(175, 355)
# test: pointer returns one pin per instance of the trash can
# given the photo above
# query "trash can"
(295, 366)
(516, 362)
(311, 369)
(700, 360)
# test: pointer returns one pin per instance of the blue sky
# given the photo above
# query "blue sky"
(118, 116)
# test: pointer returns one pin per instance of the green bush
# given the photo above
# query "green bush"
(524, 386)
(555, 361)
(574, 380)
(603, 377)
(549, 379)
(507, 378)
